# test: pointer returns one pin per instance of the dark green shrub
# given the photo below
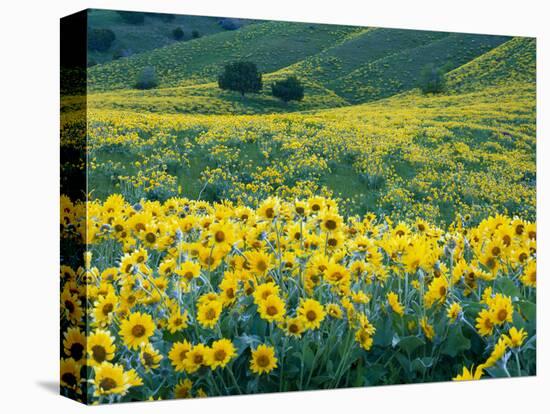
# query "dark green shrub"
(241, 77)
(100, 39)
(432, 80)
(289, 89)
(147, 78)
(121, 52)
(195, 34)
(229, 24)
(177, 33)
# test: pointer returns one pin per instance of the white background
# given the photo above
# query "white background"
(29, 203)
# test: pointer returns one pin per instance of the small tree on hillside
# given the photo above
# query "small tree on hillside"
(147, 78)
(242, 77)
(432, 80)
(100, 39)
(289, 89)
(177, 33)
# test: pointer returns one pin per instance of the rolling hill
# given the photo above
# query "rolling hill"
(339, 65)
(271, 45)
(153, 33)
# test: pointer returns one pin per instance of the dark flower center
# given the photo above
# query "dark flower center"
(107, 308)
(263, 361)
(219, 236)
(98, 353)
(220, 355)
(271, 310)
(77, 350)
(69, 379)
(138, 331)
(107, 384)
(330, 224)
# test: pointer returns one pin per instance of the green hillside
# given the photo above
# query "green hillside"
(514, 61)
(153, 33)
(209, 99)
(339, 65)
(400, 71)
(271, 45)
(358, 50)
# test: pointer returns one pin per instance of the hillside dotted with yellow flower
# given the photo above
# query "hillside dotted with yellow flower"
(214, 244)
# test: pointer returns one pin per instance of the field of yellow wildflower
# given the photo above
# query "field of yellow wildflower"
(368, 235)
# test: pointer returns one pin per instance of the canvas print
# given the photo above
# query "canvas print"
(255, 206)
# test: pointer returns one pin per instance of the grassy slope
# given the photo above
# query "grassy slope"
(209, 99)
(399, 71)
(339, 66)
(360, 49)
(271, 45)
(152, 34)
(513, 61)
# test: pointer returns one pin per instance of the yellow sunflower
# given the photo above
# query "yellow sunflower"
(393, 301)
(427, 328)
(454, 311)
(264, 290)
(100, 347)
(111, 379)
(498, 352)
(209, 313)
(177, 321)
(259, 262)
(221, 352)
(70, 373)
(312, 313)
(263, 360)
(178, 355)
(529, 275)
(222, 234)
(294, 327)
(469, 374)
(196, 358)
(183, 389)
(269, 208)
(334, 310)
(74, 344)
(150, 358)
(272, 309)
(71, 308)
(105, 308)
(188, 270)
(137, 329)
(437, 291)
(484, 323)
(501, 309)
(515, 338)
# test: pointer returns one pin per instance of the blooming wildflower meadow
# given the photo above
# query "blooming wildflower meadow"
(373, 223)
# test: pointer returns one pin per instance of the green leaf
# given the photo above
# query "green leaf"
(422, 364)
(410, 343)
(405, 363)
(507, 287)
(245, 341)
(455, 342)
(308, 357)
(384, 333)
(374, 374)
(528, 310)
